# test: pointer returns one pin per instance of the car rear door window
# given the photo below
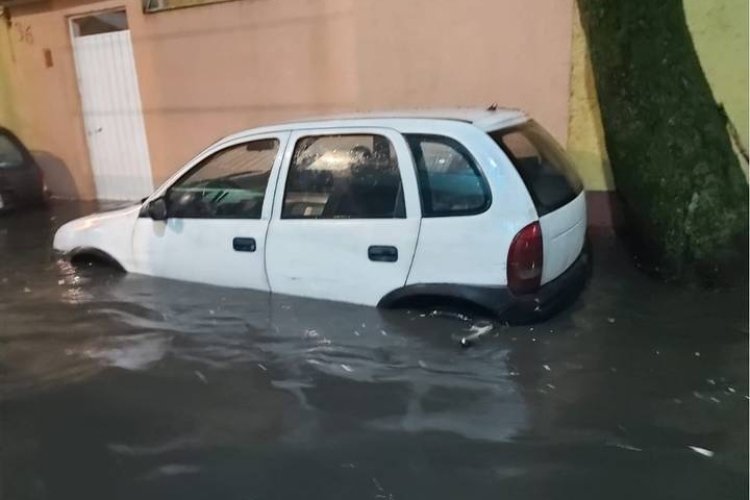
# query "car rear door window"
(544, 167)
(229, 184)
(450, 183)
(343, 177)
(10, 155)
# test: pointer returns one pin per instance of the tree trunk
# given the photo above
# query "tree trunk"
(684, 194)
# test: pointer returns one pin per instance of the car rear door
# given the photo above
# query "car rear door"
(346, 215)
(218, 212)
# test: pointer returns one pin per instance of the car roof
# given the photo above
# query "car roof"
(491, 118)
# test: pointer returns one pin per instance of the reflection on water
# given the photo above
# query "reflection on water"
(124, 386)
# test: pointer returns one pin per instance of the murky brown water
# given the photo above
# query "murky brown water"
(123, 386)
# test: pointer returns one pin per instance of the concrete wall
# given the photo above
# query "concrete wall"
(209, 70)
(720, 35)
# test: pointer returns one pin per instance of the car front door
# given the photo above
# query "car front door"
(346, 215)
(217, 215)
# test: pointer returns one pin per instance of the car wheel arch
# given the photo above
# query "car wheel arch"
(83, 255)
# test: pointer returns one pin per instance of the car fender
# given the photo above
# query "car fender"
(108, 233)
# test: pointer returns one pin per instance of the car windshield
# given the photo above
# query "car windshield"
(542, 164)
(10, 155)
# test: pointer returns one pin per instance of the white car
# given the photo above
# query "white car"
(477, 206)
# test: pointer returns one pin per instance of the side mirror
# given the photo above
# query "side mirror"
(157, 209)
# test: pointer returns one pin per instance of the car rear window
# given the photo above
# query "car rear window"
(542, 164)
(10, 155)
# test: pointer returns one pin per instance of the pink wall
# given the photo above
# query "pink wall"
(211, 70)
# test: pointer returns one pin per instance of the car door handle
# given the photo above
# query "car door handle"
(380, 253)
(244, 244)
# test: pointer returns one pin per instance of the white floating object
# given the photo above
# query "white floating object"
(702, 451)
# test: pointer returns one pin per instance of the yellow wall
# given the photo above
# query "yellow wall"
(8, 116)
(585, 133)
(720, 34)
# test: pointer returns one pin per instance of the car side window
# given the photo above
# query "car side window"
(343, 177)
(229, 184)
(450, 183)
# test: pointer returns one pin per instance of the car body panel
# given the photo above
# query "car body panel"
(108, 232)
(203, 250)
(472, 249)
(563, 236)
(328, 258)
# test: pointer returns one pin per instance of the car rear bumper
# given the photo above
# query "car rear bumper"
(551, 297)
(499, 300)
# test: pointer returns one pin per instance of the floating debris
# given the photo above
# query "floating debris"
(702, 451)
(697, 354)
(60, 282)
(262, 367)
(26, 289)
(546, 367)
(610, 320)
(356, 333)
(627, 447)
(201, 377)
(347, 368)
(476, 332)
(383, 333)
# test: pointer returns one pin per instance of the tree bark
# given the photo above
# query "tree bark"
(685, 197)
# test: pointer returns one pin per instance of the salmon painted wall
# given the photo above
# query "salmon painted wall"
(209, 70)
(720, 34)
(467, 53)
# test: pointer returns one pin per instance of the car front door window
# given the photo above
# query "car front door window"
(229, 184)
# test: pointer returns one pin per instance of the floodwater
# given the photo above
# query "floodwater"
(117, 386)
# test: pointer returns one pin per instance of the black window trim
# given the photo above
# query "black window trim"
(402, 214)
(454, 143)
(200, 163)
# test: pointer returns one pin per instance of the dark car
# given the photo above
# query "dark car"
(21, 179)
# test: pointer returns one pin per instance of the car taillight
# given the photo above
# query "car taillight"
(525, 259)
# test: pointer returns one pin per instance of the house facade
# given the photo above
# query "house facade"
(119, 94)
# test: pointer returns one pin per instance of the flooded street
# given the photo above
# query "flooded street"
(123, 386)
